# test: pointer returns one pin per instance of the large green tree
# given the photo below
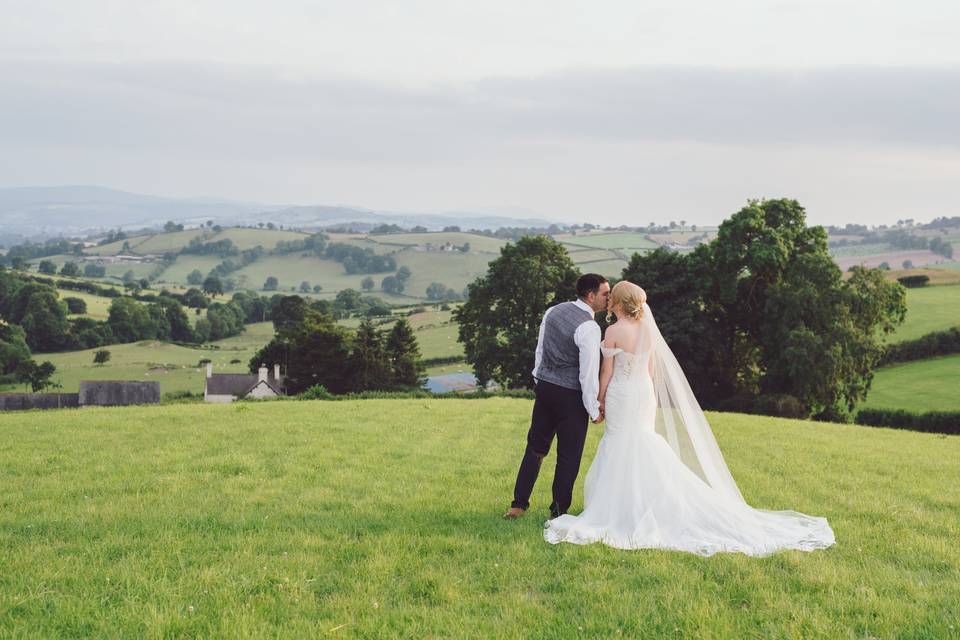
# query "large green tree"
(43, 317)
(367, 366)
(130, 321)
(764, 310)
(314, 350)
(500, 320)
(403, 356)
(14, 351)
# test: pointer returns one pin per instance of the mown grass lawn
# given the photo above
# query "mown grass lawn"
(923, 385)
(380, 519)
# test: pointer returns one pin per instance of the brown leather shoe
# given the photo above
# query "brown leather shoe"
(513, 513)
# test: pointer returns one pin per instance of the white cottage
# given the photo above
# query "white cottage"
(227, 387)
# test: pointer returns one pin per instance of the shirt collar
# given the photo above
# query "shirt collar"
(583, 305)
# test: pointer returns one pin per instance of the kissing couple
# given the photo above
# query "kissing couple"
(658, 479)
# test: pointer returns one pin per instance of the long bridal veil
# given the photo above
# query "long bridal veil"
(680, 419)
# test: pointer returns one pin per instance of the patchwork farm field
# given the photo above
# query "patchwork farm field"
(477, 242)
(895, 259)
(264, 520)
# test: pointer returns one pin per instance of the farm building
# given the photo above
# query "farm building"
(227, 387)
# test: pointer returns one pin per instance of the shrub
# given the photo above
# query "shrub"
(316, 392)
(779, 404)
(936, 343)
(914, 281)
(931, 422)
(432, 362)
(181, 396)
(75, 305)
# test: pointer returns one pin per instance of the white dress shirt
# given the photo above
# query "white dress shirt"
(587, 339)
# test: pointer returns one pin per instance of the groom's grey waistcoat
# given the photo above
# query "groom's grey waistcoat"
(560, 362)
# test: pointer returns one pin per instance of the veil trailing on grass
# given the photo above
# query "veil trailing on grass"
(680, 419)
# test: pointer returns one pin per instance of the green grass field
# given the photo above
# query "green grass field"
(175, 367)
(249, 238)
(608, 268)
(438, 239)
(380, 519)
(435, 331)
(153, 243)
(929, 309)
(97, 306)
(924, 385)
(455, 270)
(626, 241)
(179, 270)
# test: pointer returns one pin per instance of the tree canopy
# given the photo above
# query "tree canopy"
(764, 310)
(500, 320)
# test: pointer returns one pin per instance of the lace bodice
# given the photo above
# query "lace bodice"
(625, 363)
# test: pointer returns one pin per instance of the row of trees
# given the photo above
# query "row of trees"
(316, 351)
(36, 309)
(359, 259)
(760, 311)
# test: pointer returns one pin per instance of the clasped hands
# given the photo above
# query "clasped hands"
(602, 414)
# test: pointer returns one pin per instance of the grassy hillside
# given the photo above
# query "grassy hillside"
(97, 306)
(438, 239)
(175, 367)
(929, 309)
(257, 520)
(158, 243)
(630, 241)
(924, 385)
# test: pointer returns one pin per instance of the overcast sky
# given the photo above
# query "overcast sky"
(614, 112)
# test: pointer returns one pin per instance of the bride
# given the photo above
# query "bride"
(658, 480)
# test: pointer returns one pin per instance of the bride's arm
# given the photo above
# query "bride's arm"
(606, 372)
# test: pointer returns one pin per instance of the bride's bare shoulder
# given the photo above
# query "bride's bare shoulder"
(610, 335)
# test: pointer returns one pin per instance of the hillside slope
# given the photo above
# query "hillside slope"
(381, 519)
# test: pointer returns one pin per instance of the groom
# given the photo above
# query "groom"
(566, 371)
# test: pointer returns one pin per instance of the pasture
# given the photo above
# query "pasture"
(628, 241)
(920, 386)
(436, 239)
(174, 366)
(380, 518)
(929, 309)
(98, 307)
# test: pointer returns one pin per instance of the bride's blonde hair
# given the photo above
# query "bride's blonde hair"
(630, 297)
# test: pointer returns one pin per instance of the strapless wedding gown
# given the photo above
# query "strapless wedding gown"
(638, 494)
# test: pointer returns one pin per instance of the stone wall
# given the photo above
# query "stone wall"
(112, 393)
(20, 401)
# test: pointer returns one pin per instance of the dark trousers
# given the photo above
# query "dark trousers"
(556, 412)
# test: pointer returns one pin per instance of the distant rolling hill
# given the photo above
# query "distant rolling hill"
(66, 210)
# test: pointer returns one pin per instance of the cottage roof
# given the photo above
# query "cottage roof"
(239, 384)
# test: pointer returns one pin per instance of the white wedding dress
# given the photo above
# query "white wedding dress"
(647, 490)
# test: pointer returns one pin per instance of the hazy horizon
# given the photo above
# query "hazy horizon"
(673, 110)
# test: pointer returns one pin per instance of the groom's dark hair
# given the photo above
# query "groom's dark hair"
(589, 283)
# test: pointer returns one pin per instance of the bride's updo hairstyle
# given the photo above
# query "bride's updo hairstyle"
(629, 297)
